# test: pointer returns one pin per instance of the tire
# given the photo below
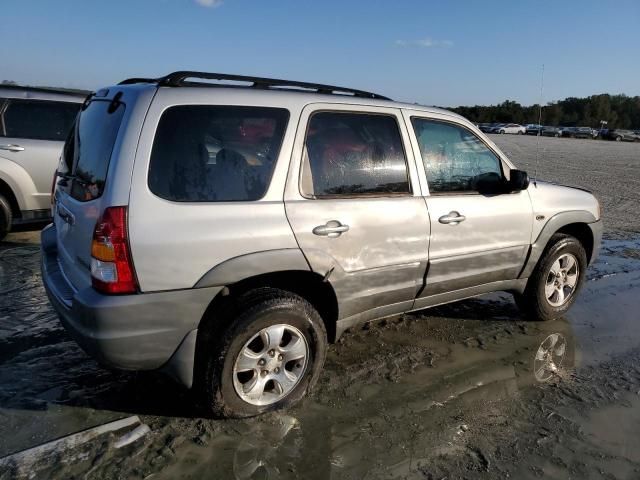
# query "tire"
(263, 310)
(618, 139)
(6, 217)
(557, 135)
(501, 132)
(534, 303)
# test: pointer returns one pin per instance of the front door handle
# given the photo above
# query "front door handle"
(452, 218)
(331, 229)
(12, 148)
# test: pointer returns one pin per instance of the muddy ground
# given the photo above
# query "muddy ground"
(452, 392)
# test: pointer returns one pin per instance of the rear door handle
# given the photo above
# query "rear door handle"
(331, 229)
(452, 218)
(12, 148)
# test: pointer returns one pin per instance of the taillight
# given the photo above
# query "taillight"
(111, 266)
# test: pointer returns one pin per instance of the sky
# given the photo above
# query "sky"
(445, 53)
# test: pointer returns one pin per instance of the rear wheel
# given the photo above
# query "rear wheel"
(618, 139)
(558, 276)
(268, 358)
(6, 217)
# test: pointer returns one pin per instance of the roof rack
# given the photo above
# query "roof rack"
(178, 79)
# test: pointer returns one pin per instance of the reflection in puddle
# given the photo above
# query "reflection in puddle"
(378, 426)
(549, 357)
(251, 459)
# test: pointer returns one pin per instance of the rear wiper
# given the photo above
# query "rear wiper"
(65, 177)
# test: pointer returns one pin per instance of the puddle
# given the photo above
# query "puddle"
(458, 390)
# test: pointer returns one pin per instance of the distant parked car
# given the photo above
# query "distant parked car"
(579, 132)
(548, 131)
(513, 128)
(487, 127)
(34, 123)
(627, 135)
(533, 129)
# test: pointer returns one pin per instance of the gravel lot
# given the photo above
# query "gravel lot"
(611, 170)
(450, 392)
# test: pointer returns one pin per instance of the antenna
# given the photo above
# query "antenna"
(535, 172)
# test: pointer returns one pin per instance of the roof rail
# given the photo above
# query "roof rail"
(64, 91)
(131, 81)
(178, 79)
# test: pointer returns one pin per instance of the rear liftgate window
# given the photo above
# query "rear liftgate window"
(207, 153)
(88, 148)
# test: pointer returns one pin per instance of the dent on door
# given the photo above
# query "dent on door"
(372, 251)
(476, 239)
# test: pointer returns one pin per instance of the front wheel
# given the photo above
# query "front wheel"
(618, 139)
(556, 280)
(268, 358)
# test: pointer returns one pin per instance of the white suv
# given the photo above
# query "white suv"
(224, 234)
(34, 122)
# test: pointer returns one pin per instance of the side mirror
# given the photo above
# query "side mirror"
(519, 180)
(490, 183)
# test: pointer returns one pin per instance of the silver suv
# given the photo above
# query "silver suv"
(34, 123)
(225, 233)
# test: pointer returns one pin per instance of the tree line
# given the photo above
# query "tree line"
(619, 111)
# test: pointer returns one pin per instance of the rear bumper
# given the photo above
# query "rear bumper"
(144, 331)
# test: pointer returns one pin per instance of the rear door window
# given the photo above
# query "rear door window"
(206, 153)
(39, 120)
(353, 154)
(88, 148)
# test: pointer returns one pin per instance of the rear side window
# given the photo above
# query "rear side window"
(205, 153)
(39, 120)
(88, 148)
(353, 154)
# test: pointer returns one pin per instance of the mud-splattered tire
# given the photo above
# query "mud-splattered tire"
(6, 217)
(536, 303)
(253, 318)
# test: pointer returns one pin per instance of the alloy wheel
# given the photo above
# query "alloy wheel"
(270, 365)
(562, 280)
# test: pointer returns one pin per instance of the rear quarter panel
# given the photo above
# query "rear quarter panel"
(20, 182)
(174, 244)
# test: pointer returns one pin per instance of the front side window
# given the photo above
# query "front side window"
(39, 120)
(455, 160)
(353, 154)
(204, 153)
